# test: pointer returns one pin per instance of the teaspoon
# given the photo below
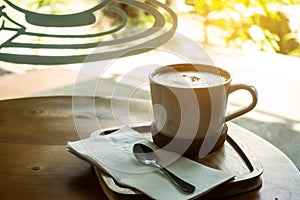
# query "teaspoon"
(146, 155)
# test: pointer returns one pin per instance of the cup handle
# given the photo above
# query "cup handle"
(251, 89)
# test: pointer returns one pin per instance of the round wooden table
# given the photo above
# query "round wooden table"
(35, 164)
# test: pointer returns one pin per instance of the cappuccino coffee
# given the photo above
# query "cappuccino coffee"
(189, 79)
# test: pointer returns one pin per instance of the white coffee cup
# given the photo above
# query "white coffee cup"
(189, 105)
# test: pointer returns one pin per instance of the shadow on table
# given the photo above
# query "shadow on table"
(284, 135)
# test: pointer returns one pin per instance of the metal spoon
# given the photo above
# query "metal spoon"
(146, 155)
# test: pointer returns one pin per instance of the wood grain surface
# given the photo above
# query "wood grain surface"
(36, 165)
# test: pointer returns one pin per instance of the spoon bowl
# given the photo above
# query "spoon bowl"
(144, 154)
(147, 156)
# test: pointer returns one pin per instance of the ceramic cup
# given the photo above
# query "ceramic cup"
(189, 107)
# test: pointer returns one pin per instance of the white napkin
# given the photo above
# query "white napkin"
(113, 154)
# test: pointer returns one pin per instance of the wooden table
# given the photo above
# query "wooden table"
(36, 165)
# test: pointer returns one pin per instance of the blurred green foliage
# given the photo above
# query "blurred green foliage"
(258, 22)
(52, 4)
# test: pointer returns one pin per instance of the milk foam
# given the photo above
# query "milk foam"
(186, 79)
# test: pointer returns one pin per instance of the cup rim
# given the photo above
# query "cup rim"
(193, 66)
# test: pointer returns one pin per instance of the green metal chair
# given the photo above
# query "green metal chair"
(136, 42)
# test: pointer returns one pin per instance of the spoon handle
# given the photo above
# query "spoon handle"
(181, 184)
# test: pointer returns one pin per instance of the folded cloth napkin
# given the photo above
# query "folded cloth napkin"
(113, 154)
